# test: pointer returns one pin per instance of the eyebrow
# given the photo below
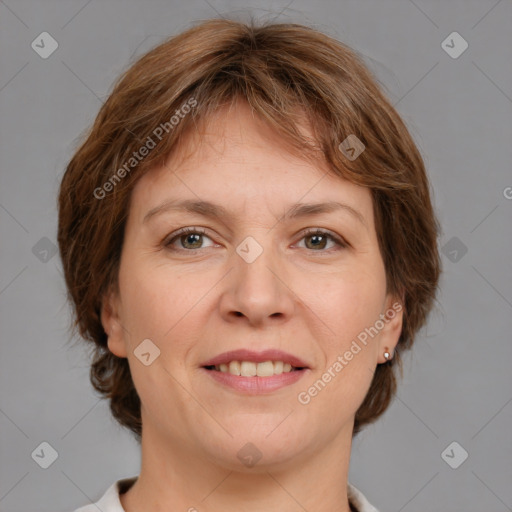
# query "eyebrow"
(208, 209)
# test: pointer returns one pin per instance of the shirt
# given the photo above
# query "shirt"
(110, 501)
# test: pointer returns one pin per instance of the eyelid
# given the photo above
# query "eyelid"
(338, 240)
(184, 231)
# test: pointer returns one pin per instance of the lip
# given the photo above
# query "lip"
(256, 385)
(256, 357)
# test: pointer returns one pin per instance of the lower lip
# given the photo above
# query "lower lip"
(256, 385)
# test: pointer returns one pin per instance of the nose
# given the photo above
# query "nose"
(257, 292)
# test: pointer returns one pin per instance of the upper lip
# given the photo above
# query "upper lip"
(256, 357)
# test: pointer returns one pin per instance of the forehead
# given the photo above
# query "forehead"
(237, 160)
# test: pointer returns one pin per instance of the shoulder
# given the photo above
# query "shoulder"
(110, 501)
(358, 500)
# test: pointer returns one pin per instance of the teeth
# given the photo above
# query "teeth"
(278, 367)
(251, 369)
(265, 369)
(247, 369)
(234, 368)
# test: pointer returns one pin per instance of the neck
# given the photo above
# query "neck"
(174, 477)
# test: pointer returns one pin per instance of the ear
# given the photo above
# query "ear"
(392, 317)
(110, 309)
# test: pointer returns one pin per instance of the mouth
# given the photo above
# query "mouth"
(253, 369)
(255, 372)
(247, 363)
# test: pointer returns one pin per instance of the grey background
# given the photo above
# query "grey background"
(457, 382)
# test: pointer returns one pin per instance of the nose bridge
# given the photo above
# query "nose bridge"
(254, 258)
(257, 290)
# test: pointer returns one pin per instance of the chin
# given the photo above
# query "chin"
(258, 447)
(257, 457)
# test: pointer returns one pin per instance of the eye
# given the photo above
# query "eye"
(319, 239)
(190, 239)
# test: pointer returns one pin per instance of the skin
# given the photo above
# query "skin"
(306, 296)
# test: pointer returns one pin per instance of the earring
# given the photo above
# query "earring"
(386, 355)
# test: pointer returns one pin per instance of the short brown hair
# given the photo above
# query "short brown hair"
(283, 71)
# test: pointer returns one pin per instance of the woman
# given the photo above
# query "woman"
(248, 241)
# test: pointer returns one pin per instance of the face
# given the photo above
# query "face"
(256, 286)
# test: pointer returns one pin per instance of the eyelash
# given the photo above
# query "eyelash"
(200, 231)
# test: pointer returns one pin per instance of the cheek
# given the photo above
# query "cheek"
(347, 304)
(155, 301)
(336, 392)
(158, 307)
(350, 306)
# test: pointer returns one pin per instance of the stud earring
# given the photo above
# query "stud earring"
(386, 355)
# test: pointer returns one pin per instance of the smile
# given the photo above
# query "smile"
(252, 369)
(255, 373)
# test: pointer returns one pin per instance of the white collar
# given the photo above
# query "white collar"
(110, 501)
